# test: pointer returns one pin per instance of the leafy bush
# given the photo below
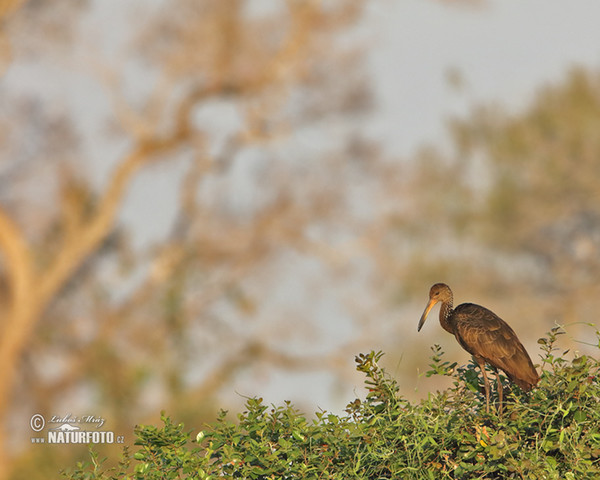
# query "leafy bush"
(550, 433)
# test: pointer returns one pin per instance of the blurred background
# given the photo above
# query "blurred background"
(202, 201)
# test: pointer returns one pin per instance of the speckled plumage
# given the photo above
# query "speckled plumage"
(486, 336)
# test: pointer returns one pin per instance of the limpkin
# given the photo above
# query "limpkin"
(487, 337)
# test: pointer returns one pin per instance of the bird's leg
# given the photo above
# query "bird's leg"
(486, 383)
(500, 393)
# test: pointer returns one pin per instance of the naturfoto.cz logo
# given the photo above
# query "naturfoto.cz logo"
(72, 429)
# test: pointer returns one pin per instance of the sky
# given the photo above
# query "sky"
(502, 50)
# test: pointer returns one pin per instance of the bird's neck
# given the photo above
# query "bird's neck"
(445, 312)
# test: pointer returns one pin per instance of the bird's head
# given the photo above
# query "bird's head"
(440, 292)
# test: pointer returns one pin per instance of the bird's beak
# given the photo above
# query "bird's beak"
(428, 308)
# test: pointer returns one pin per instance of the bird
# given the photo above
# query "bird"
(487, 337)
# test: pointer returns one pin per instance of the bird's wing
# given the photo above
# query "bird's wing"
(483, 334)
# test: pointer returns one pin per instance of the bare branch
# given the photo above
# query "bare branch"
(18, 260)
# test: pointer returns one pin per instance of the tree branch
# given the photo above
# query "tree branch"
(18, 260)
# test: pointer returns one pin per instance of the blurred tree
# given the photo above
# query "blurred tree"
(509, 214)
(248, 106)
(540, 200)
(87, 315)
(513, 210)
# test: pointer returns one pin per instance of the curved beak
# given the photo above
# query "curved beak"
(428, 308)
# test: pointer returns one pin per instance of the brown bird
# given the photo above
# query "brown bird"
(487, 337)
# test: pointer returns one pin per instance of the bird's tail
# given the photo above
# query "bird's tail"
(526, 384)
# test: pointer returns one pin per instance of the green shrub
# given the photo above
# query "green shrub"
(552, 432)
